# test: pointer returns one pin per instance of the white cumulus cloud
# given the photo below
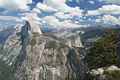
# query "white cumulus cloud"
(59, 6)
(110, 19)
(45, 8)
(106, 9)
(31, 17)
(15, 4)
(62, 15)
(36, 10)
(53, 21)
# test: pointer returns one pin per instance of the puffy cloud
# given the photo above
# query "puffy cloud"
(45, 8)
(67, 24)
(106, 9)
(62, 15)
(110, 19)
(61, 11)
(93, 13)
(53, 21)
(36, 10)
(31, 17)
(15, 4)
(54, 3)
(59, 6)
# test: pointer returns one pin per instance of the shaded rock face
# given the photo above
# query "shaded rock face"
(25, 29)
(76, 65)
(30, 27)
(36, 57)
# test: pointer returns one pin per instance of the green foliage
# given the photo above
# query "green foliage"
(5, 71)
(82, 52)
(104, 50)
(112, 75)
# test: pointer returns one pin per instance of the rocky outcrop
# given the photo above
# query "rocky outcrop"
(105, 73)
(72, 38)
(31, 27)
(36, 57)
(75, 41)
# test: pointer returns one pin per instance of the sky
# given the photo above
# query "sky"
(60, 13)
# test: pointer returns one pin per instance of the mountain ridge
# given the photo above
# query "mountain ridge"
(36, 57)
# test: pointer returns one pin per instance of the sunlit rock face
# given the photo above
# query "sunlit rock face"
(76, 41)
(37, 57)
(32, 27)
(104, 73)
(35, 28)
(72, 39)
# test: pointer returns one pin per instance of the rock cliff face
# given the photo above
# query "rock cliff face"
(72, 38)
(75, 41)
(36, 57)
(32, 27)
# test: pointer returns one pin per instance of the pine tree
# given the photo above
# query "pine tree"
(104, 52)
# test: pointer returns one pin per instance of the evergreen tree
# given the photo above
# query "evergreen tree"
(104, 51)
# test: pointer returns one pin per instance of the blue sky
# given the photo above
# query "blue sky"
(60, 13)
